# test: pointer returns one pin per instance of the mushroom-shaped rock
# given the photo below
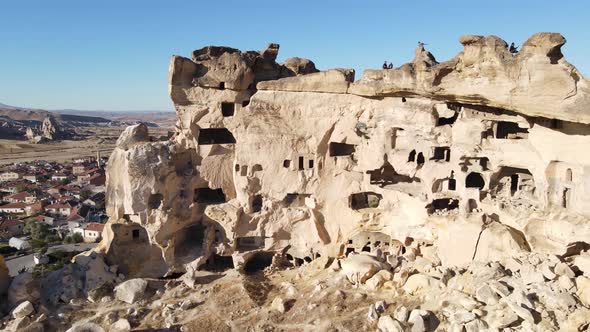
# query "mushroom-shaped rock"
(132, 135)
(545, 43)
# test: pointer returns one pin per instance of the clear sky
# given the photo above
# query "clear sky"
(114, 54)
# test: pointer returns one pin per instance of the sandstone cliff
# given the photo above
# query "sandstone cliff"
(480, 155)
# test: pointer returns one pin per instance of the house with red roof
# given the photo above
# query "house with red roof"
(93, 231)
(13, 208)
(59, 209)
(22, 197)
(10, 228)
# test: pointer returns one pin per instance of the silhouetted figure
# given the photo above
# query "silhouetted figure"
(385, 65)
(513, 49)
(390, 66)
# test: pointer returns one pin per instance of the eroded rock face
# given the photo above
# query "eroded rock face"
(480, 155)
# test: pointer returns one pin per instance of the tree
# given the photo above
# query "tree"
(77, 237)
(37, 230)
(85, 194)
(20, 188)
(74, 238)
(65, 182)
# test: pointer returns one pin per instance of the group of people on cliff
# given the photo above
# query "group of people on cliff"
(513, 50)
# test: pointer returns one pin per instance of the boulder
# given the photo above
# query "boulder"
(122, 325)
(22, 310)
(278, 304)
(131, 291)
(85, 327)
(300, 66)
(582, 262)
(417, 283)
(372, 314)
(359, 268)
(583, 285)
(388, 324)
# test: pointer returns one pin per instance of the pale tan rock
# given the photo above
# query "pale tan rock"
(131, 291)
(583, 285)
(417, 283)
(479, 155)
(278, 304)
(299, 66)
(582, 262)
(22, 310)
(388, 324)
(121, 325)
(85, 327)
(331, 81)
(359, 268)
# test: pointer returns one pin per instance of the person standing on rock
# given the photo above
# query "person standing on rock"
(385, 65)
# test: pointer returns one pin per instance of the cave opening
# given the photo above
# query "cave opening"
(510, 130)
(257, 203)
(208, 136)
(412, 156)
(474, 180)
(340, 149)
(513, 183)
(364, 200)
(209, 196)
(443, 204)
(258, 262)
(188, 241)
(154, 201)
(227, 109)
(441, 153)
(420, 159)
(217, 263)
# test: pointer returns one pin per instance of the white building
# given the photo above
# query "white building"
(9, 176)
(19, 244)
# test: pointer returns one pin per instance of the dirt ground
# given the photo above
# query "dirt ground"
(316, 299)
(99, 139)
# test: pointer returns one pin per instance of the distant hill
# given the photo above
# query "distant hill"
(15, 120)
(30, 114)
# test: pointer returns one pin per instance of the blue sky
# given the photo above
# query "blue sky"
(114, 54)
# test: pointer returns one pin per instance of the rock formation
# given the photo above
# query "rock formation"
(48, 131)
(436, 196)
(479, 155)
